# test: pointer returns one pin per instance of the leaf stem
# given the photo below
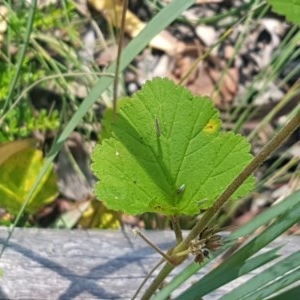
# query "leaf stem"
(158, 250)
(177, 229)
(271, 147)
(118, 60)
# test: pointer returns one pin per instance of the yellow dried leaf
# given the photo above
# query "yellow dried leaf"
(112, 11)
(98, 216)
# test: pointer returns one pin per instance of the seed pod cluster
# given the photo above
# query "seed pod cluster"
(207, 241)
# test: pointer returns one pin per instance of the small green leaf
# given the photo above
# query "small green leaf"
(289, 8)
(18, 173)
(166, 153)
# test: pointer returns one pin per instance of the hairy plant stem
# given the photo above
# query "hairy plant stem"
(271, 147)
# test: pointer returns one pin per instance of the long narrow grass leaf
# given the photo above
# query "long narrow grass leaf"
(282, 282)
(267, 215)
(21, 57)
(232, 266)
(292, 293)
(192, 268)
(260, 220)
(259, 285)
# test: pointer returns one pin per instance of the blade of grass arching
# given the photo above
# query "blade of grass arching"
(251, 90)
(51, 64)
(292, 293)
(266, 216)
(294, 70)
(233, 266)
(46, 61)
(268, 282)
(230, 14)
(47, 78)
(279, 169)
(273, 168)
(190, 270)
(164, 293)
(288, 97)
(21, 55)
(262, 219)
(283, 163)
(262, 8)
(239, 268)
(193, 268)
(54, 64)
(282, 282)
(279, 58)
(65, 10)
(240, 39)
(157, 24)
(61, 47)
(278, 65)
(282, 174)
(285, 52)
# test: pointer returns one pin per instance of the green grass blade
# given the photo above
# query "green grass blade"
(183, 276)
(282, 282)
(267, 215)
(292, 293)
(190, 270)
(193, 268)
(245, 230)
(233, 270)
(259, 286)
(264, 218)
(232, 266)
(22, 53)
(279, 284)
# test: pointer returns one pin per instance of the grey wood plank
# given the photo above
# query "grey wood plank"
(76, 264)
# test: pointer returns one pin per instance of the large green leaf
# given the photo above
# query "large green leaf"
(289, 8)
(18, 173)
(166, 153)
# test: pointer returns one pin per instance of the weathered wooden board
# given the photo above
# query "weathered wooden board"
(64, 264)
